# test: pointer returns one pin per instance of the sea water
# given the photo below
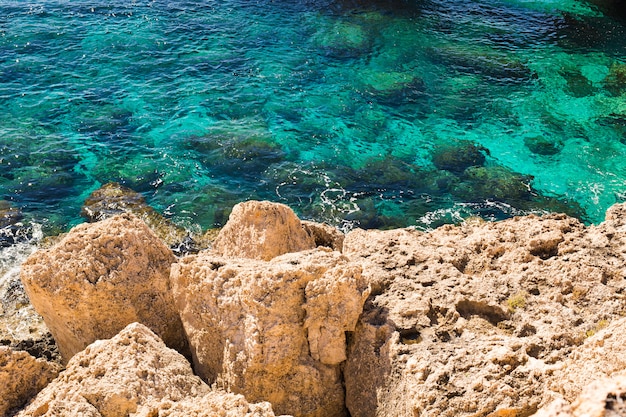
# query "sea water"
(367, 113)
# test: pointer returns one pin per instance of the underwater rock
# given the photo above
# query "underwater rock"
(489, 63)
(134, 373)
(272, 330)
(542, 145)
(344, 40)
(262, 230)
(369, 216)
(617, 122)
(9, 215)
(456, 157)
(577, 84)
(116, 267)
(240, 146)
(391, 87)
(42, 184)
(112, 199)
(615, 81)
(108, 122)
(591, 32)
(479, 183)
(386, 173)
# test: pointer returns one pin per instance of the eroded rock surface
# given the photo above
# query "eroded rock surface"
(272, 330)
(101, 277)
(605, 397)
(134, 373)
(478, 319)
(602, 356)
(482, 319)
(262, 230)
(22, 376)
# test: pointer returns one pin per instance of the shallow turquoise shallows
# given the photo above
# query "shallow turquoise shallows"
(365, 113)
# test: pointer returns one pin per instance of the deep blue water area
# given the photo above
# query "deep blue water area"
(365, 113)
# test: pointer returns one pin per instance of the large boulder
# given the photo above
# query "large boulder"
(272, 330)
(477, 319)
(101, 277)
(134, 373)
(262, 230)
(22, 376)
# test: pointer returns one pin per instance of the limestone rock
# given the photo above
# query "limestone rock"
(324, 235)
(601, 356)
(22, 376)
(605, 397)
(272, 330)
(262, 230)
(477, 319)
(101, 277)
(112, 199)
(134, 373)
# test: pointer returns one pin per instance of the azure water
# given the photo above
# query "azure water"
(367, 113)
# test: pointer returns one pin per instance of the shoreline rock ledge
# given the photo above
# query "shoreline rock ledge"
(521, 317)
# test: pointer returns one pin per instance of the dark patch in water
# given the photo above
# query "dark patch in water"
(617, 122)
(542, 145)
(458, 156)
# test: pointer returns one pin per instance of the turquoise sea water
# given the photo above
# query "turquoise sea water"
(359, 113)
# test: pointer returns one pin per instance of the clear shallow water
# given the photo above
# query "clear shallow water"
(377, 114)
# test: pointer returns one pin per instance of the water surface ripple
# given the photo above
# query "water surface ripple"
(364, 113)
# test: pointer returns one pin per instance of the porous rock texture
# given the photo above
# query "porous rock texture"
(101, 277)
(605, 397)
(22, 376)
(272, 330)
(134, 373)
(480, 319)
(262, 230)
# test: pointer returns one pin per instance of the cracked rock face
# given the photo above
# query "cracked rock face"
(477, 320)
(134, 373)
(272, 330)
(99, 278)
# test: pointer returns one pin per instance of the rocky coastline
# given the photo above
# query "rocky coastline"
(278, 316)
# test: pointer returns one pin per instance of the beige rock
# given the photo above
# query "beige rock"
(477, 319)
(601, 356)
(262, 230)
(101, 277)
(21, 377)
(134, 373)
(324, 235)
(605, 397)
(272, 330)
